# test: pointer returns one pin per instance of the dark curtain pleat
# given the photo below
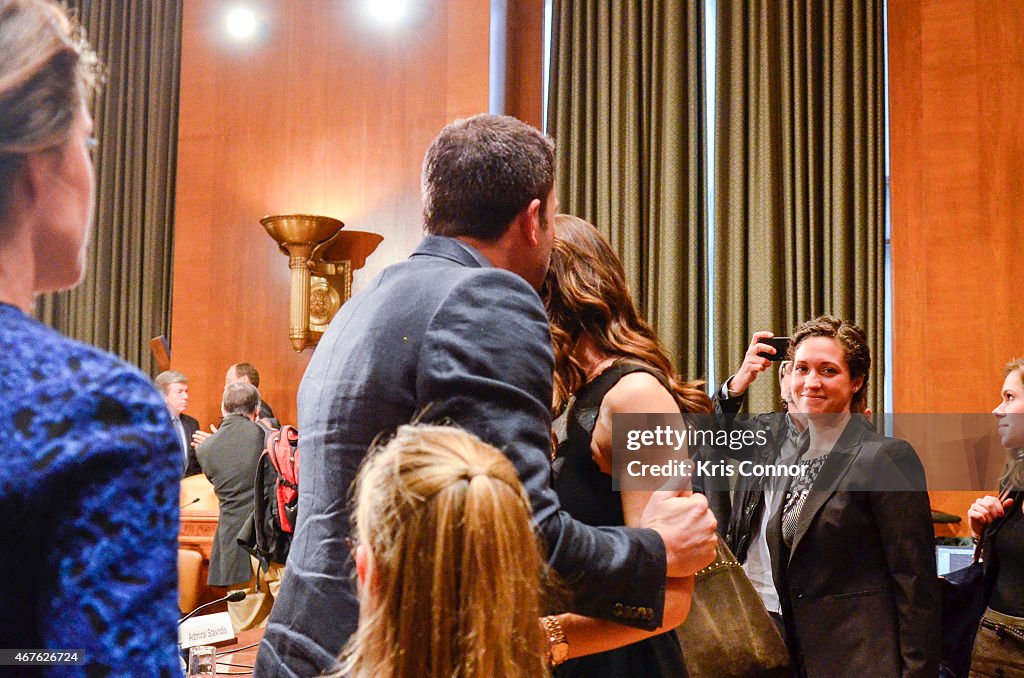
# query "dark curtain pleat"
(125, 299)
(626, 110)
(799, 174)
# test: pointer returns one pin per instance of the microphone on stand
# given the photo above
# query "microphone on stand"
(187, 504)
(232, 597)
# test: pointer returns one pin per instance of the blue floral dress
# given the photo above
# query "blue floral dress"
(89, 475)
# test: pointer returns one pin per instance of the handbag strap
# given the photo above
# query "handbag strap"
(723, 558)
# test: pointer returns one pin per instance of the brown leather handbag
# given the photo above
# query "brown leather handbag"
(728, 633)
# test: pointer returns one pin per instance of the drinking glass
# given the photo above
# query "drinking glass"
(202, 660)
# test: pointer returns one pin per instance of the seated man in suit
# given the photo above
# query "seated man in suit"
(458, 333)
(229, 458)
(174, 387)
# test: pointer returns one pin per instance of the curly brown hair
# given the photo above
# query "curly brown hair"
(855, 349)
(585, 294)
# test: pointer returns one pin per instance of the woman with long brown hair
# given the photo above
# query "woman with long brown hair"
(607, 361)
(999, 643)
(594, 321)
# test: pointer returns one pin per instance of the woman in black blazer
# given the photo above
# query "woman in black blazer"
(999, 644)
(852, 547)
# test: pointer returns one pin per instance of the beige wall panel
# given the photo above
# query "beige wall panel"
(524, 73)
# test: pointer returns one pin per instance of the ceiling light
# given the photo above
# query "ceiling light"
(387, 11)
(240, 23)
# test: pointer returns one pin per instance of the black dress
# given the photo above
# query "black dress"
(586, 494)
(1004, 544)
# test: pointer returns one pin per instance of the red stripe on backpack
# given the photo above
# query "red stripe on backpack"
(283, 450)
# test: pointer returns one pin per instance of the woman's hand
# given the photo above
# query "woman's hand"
(753, 364)
(984, 511)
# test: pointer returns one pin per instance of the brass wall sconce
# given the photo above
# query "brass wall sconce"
(321, 258)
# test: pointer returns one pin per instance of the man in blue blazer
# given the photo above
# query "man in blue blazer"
(458, 333)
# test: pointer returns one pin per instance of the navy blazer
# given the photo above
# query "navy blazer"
(859, 590)
(445, 334)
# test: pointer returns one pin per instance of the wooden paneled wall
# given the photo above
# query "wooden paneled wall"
(957, 181)
(524, 61)
(326, 113)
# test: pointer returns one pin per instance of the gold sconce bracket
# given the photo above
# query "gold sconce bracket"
(321, 259)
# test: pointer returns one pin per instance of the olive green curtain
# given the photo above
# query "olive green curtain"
(799, 174)
(125, 299)
(627, 113)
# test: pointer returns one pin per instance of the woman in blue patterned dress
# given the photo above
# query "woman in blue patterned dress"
(88, 479)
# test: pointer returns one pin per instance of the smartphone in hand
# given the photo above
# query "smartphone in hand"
(780, 344)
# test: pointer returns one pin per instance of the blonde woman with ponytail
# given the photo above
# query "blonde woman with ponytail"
(999, 643)
(449, 568)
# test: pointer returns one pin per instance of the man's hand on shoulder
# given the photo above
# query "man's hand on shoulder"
(687, 526)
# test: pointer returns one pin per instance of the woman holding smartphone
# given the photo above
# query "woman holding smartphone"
(852, 546)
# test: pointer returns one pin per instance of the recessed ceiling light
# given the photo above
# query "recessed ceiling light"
(387, 11)
(240, 23)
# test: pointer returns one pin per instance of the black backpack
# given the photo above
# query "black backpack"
(267, 535)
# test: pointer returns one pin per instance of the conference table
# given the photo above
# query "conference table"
(200, 512)
(239, 656)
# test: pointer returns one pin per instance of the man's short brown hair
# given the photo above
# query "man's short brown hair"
(248, 371)
(480, 172)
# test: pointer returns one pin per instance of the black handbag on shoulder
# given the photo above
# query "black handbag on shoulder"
(964, 599)
(963, 604)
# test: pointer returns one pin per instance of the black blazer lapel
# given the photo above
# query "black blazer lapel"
(829, 479)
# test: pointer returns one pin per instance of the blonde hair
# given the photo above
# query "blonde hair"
(46, 71)
(1013, 475)
(456, 566)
